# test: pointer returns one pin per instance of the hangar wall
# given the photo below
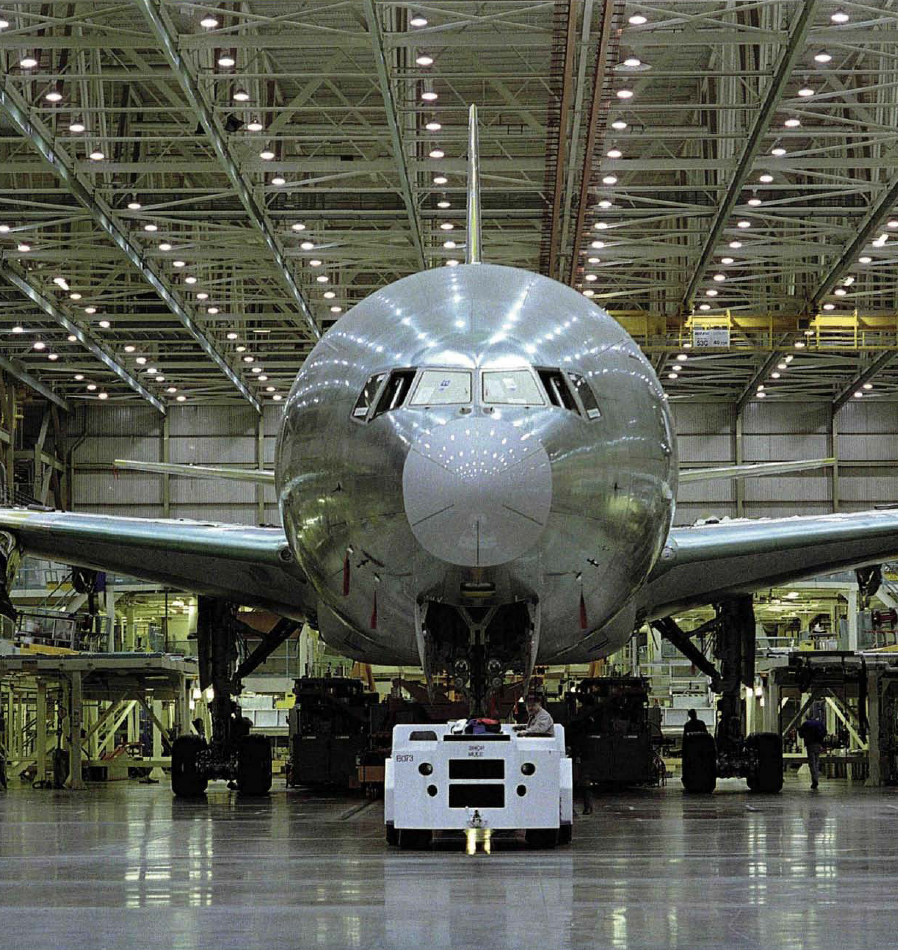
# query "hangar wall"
(866, 444)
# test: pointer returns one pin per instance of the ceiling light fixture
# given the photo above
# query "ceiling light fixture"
(227, 61)
(637, 19)
(254, 126)
(624, 93)
(209, 22)
(422, 59)
(822, 57)
(619, 125)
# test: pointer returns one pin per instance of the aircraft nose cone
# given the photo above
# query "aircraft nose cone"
(477, 492)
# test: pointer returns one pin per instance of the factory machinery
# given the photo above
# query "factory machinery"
(341, 735)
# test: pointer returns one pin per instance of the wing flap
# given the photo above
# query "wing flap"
(708, 563)
(249, 565)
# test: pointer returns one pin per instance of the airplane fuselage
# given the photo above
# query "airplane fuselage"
(430, 454)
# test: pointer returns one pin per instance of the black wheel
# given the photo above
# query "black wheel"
(565, 834)
(541, 837)
(186, 779)
(414, 839)
(699, 762)
(392, 834)
(254, 765)
(767, 775)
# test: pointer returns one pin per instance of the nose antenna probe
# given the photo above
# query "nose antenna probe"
(472, 247)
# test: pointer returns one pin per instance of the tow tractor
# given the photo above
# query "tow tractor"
(441, 780)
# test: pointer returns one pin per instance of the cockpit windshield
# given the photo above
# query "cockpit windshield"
(516, 387)
(442, 387)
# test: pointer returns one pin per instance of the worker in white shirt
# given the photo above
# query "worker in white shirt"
(539, 722)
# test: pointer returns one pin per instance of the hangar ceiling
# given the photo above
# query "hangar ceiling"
(189, 191)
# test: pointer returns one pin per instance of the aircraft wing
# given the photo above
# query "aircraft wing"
(260, 476)
(750, 470)
(249, 565)
(705, 564)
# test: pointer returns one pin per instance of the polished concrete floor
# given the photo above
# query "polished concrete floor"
(128, 866)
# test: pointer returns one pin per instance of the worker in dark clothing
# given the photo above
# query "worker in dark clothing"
(813, 732)
(693, 723)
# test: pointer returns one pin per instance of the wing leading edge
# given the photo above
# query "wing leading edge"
(249, 565)
(704, 564)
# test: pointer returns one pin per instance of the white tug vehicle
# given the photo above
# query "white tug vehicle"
(440, 779)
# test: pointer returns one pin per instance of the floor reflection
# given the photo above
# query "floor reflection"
(128, 866)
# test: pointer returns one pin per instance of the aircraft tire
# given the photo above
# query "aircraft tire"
(414, 839)
(767, 776)
(699, 763)
(392, 834)
(565, 834)
(254, 765)
(542, 838)
(186, 779)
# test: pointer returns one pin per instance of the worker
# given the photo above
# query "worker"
(539, 722)
(813, 732)
(693, 723)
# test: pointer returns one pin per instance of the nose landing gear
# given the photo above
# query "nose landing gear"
(478, 646)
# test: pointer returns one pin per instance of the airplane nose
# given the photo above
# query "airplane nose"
(477, 492)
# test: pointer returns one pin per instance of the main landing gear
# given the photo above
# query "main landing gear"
(728, 753)
(233, 753)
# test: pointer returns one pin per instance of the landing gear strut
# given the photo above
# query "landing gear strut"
(233, 753)
(478, 645)
(728, 753)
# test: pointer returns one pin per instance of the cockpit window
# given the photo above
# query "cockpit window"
(396, 391)
(587, 396)
(516, 387)
(559, 392)
(367, 396)
(441, 387)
